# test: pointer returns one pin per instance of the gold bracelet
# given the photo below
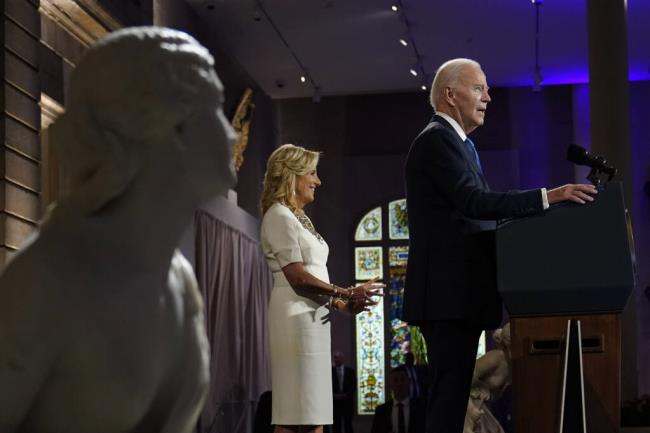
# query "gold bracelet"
(338, 291)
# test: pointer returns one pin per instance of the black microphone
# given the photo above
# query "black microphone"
(579, 155)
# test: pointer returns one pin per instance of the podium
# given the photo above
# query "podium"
(572, 262)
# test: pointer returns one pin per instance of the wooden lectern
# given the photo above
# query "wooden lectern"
(570, 262)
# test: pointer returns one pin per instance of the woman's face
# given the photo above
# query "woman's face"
(306, 184)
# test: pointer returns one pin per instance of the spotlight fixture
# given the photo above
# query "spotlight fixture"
(423, 87)
(414, 72)
(394, 8)
(302, 79)
(403, 42)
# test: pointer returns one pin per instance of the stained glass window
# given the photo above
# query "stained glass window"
(368, 263)
(369, 229)
(398, 220)
(400, 332)
(371, 343)
(370, 359)
(398, 256)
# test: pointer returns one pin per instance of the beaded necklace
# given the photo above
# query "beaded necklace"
(306, 224)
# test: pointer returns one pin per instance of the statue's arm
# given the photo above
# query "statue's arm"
(27, 350)
(487, 364)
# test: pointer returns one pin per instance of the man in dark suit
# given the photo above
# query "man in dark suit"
(344, 382)
(400, 414)
(450, 288)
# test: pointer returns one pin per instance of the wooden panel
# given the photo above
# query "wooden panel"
(537, 377)
(67, 46)
(67, 76)
(21, 43)
(22, 75)
(22, 171)
(15, 230)
(21, 138)
(21, 202)
(25, 14)
(48, 31)
(6, 254)
(51, 73)
(60, 41)
(22, 107)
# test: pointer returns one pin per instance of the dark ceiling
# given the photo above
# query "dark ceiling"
(352, 46)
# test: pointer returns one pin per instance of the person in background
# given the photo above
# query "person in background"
(401, 413)
(344, 381)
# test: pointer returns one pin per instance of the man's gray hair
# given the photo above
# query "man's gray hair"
(446, 76)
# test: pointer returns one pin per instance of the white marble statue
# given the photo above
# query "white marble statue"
(492, 375)
(101, 323)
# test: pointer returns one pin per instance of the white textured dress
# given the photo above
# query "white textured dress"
(299, 330)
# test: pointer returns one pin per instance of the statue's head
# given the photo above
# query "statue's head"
(502, 337)
(140, 94)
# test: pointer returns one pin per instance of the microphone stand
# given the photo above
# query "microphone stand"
(595, 173)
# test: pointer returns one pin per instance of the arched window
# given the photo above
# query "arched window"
(381, 250)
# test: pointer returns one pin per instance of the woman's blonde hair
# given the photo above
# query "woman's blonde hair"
(285, 163)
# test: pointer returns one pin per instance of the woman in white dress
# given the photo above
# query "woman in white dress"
(302, 295)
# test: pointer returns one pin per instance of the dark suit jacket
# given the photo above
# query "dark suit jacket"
(451, 271)
(349, 382)
(382, 420)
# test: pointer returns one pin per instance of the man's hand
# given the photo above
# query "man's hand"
(579, 193)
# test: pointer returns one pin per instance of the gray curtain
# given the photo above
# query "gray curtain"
(236, 286)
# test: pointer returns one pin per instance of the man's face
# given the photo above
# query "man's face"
(469, 97)
(209, 138)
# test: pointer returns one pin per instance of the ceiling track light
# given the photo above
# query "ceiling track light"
(408, 40)
(394, 8)
(305, 76)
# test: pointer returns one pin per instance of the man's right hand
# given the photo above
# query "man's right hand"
(579, 193)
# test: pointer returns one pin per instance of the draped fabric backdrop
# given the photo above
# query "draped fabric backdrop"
(236, 286)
